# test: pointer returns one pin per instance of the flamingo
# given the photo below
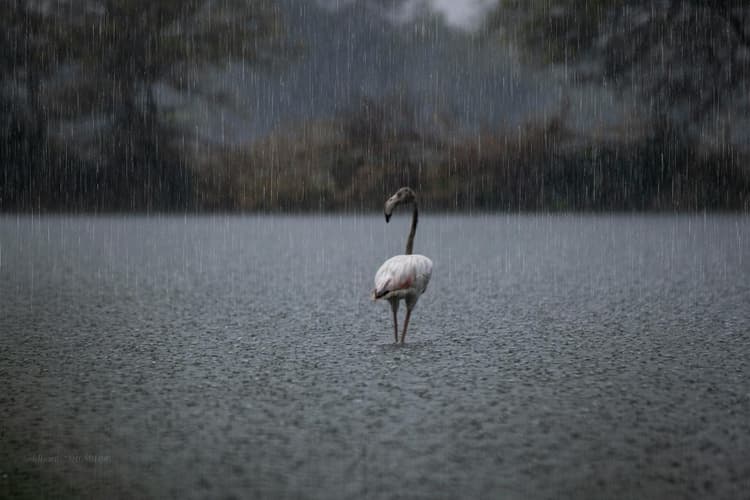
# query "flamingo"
(403, 276)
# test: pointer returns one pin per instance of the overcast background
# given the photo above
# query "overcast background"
(429, 51)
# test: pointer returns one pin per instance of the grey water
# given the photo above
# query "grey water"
(568, 356)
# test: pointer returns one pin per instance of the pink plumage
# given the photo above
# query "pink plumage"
(404, 276)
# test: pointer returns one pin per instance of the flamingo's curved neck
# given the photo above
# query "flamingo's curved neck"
(412, 232)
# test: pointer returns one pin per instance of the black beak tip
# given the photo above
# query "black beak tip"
(387, 218)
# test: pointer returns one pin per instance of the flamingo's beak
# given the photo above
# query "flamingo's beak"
(390, 204)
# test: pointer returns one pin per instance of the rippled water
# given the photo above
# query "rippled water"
(570, 356)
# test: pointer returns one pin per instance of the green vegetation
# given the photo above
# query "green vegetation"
(545, 167)
(81, 129)
(687, 60)
(77, 61)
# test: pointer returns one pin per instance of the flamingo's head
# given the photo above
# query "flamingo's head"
(403, 195)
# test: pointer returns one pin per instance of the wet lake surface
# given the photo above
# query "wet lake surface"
(552, 356)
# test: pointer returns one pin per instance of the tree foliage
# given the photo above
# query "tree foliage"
(688, 60)
(100, 60)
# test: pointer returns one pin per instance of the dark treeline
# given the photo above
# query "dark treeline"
(80, 125)
(82, 130)
(331, 166)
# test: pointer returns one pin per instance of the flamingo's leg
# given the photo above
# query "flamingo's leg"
(406, 324)
(394, 308)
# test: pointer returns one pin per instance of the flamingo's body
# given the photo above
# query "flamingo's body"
(403, 277)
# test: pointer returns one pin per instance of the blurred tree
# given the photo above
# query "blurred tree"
(117, 51)
(688, 60)
(130, 45)
(386, 143)
(30, 50)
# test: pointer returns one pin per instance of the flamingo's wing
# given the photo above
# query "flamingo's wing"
(424, 273)
(402, 272)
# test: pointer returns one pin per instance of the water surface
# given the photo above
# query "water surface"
(569, 356)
